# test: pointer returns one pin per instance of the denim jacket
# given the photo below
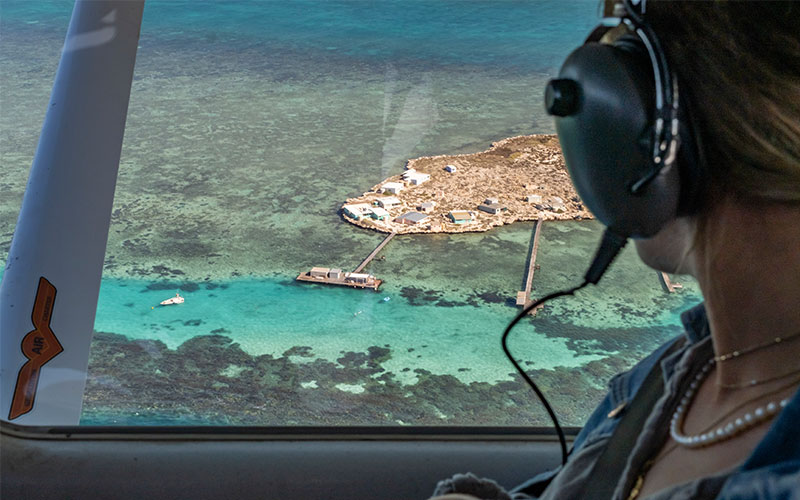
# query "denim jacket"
(772, 471)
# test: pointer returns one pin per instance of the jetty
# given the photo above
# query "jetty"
(355, 279)
(335, 276)
(374, 252)
(667, 284)
(524, 296)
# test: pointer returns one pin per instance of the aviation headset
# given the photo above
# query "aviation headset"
(625, 130)
(629, 143)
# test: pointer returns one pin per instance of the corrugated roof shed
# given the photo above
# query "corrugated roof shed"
(461, 214)
(414, 217)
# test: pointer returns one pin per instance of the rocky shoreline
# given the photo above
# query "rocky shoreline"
(522, 178)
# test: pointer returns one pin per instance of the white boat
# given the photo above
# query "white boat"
(177, 299)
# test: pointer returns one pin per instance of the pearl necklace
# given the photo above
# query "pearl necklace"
(723, 432)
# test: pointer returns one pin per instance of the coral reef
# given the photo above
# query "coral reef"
(211, 380)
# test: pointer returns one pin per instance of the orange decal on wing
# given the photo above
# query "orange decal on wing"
(40, 345)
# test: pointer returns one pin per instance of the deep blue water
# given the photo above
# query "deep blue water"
(532, 35)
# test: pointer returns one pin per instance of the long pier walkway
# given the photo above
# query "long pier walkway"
(374, 252)
(666, 283)
(524, 297)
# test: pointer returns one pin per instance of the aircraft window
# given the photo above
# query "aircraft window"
(250, 125)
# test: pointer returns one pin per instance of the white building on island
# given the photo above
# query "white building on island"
(426, 207)
(416, 178)
(393, 187)
(379, 213)
(533, 198)
(357, 210)
(388, 202)
(557, 205)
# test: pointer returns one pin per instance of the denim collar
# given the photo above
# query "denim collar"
(695, 323)
(695, 327)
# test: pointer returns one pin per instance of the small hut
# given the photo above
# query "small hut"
(388, 202)
(426, 207)
(393, 187)
(461, 216)
(411, 218)
(319, 272)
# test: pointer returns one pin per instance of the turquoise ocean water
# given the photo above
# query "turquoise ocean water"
(250, 123)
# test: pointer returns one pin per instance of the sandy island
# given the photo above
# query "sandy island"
(517, 179)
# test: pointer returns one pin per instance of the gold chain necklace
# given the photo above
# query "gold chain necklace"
(757, 347)
(751, 383)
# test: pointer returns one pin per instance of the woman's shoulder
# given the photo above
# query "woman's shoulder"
(780, 480)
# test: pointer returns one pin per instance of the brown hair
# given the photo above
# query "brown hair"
(740, 62)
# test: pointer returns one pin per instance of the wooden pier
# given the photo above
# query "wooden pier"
(374, 252)
(524, 296)
(373, 283)
(354, 279)
(666, 283)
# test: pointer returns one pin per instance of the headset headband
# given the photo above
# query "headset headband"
(666, 126)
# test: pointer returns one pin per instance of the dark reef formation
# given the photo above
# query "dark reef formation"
(211, 380)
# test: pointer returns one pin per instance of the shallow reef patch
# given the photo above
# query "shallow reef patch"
(210, 379)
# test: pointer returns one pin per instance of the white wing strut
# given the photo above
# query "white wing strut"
(48, 295)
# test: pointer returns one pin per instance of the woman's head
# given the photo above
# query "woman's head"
(739, 63)
(739, 69)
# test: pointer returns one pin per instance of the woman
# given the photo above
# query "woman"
(726, 425)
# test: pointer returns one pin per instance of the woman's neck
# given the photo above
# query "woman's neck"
(748, 266)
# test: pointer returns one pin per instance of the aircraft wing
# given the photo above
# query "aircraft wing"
(49, 289)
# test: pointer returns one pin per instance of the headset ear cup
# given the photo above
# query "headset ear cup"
(607, 140)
